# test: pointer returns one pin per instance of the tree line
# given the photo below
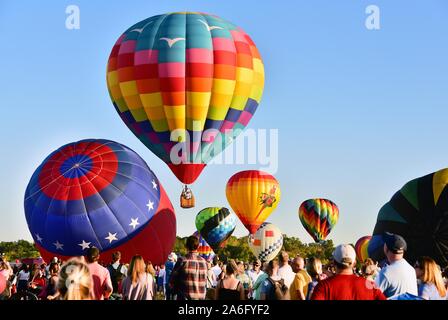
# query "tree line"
(238, 248)
(235, 248)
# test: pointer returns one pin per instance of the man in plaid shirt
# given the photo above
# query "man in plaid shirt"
(189, 275)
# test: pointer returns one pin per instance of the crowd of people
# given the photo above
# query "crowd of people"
(193, 278)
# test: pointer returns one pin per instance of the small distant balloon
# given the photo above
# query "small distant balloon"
(204, 249)
(215, 225)
(267, 242)
(361, 248)
(253, 195)
(318, 217)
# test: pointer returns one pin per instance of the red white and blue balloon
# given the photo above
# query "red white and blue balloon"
(98, 193)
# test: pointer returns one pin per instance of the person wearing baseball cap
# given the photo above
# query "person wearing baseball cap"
(398, 277)
(345, 285)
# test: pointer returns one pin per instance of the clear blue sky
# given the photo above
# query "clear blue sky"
(359, 112)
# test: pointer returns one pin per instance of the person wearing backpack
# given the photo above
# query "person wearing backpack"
(274, 287)
(118, 272)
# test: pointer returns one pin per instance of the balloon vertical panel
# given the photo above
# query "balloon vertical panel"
(253, 195)
(185, 73)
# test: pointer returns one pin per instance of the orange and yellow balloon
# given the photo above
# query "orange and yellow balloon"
(361, 248)
(253, 195)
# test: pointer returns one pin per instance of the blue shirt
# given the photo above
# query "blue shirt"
(169, 266)
(428, 291)
(397, 278)
(311, 287)
(266, 288)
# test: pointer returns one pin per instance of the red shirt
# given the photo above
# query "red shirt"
(346, 287)
(39, 282)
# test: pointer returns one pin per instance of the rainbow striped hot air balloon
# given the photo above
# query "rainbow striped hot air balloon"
(318, 217)
(185, 84)
(204, 249)
(253, 195)
(361, 247)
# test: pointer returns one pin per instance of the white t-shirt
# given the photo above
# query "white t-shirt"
(286, 273)
(23, 275)
(254, 275)
(211, 279)
(217, 270)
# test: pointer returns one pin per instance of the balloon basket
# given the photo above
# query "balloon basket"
(187, 198)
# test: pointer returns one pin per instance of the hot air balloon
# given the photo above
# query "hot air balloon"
(361, 248)
(318, 217)
(419, 213)
(267, 242)
(215, 225)
(99, 193)
(204, 249)
(253, 195)
(185, 84)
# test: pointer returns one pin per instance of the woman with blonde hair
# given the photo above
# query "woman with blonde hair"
(138, 285)
(314, 269)
(150, 269)
(75, 281)
(430, 281)
(151, 272)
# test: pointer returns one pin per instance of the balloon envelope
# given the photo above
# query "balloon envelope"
(99, 193)
(253, 195)
(185, 84)
(318, 217)
(216, 225)
(267, 242)
(361, 248)
(419, 213)
(204, 249)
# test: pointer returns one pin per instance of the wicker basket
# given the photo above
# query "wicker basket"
(186, 203)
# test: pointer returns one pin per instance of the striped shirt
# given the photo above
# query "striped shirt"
(189, 277)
